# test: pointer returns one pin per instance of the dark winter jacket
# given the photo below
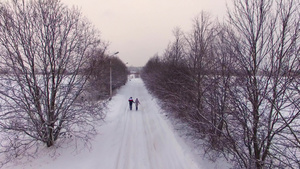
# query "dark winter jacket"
(130, 101)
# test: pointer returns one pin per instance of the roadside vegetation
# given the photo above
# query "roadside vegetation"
(236, 84)
(54, 74)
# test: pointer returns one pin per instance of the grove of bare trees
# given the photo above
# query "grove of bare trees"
(100, 66)
(45, 53)
(236, 84)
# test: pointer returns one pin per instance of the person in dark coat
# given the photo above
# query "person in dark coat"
(130, 102)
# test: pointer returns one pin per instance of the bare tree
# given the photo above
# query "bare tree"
(119, 72)
(175, 52)
(200, 61)
(45, 47)
(99, 81)
(222, 78)
(263, 114)
(237, 85)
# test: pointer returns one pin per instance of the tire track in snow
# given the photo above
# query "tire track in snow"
(125, 141)
(147, 142)
(128, 140)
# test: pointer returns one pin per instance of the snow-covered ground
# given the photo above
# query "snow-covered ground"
(142, 139)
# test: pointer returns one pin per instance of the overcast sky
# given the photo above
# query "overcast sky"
(138, 29)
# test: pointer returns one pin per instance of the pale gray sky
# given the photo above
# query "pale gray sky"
(138, 29)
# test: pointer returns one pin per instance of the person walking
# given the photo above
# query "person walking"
(137, 102)
(130, 102)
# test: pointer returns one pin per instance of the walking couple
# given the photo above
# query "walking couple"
(137, 102)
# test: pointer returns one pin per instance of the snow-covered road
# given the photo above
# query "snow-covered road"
(140, 139)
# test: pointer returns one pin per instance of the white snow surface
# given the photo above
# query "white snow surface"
(128, 139)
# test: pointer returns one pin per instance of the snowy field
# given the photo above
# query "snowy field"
(143, 139)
